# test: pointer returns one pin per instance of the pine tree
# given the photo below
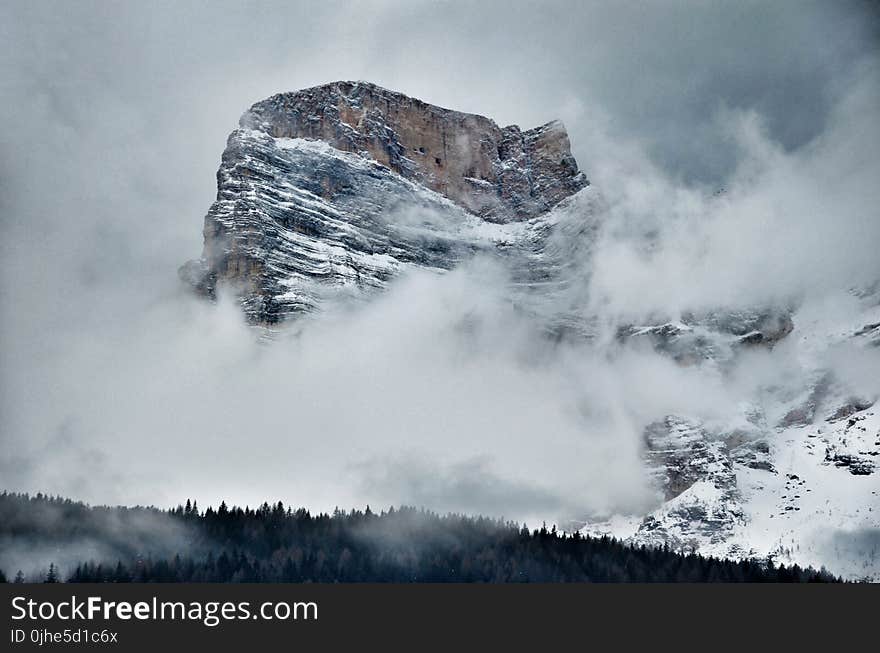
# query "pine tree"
(52, 576)
(19, 577)
(120, 575)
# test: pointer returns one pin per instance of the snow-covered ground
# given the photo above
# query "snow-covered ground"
(808, 492)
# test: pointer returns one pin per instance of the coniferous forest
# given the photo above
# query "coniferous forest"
(55, 539)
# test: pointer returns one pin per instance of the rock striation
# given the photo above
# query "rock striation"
(501, 174)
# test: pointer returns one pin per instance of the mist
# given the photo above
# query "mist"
(733, 157)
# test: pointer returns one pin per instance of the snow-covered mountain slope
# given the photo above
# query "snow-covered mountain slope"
(796, 480)
(332, 192)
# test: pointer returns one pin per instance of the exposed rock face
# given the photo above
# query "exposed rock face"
(712, 336)
(500, 174)
(331, 190)
(857, 448)
(694, 471)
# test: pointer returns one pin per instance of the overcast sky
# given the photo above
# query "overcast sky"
(115, 116)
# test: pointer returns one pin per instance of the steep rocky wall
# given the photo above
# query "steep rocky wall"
(500, 174)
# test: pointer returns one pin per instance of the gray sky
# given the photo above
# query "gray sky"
(115, 116)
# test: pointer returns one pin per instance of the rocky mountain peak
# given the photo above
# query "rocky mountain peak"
(333, 190)
(501, 174)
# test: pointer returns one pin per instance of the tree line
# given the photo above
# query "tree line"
(275, 543)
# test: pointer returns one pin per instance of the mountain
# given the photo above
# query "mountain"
(334, 189)
(329, 193)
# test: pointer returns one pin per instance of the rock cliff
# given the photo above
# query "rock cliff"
(330, 190)
(500, 174)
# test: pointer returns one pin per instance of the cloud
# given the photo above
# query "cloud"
(468, 486)
(117, 385)
(787, 224)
